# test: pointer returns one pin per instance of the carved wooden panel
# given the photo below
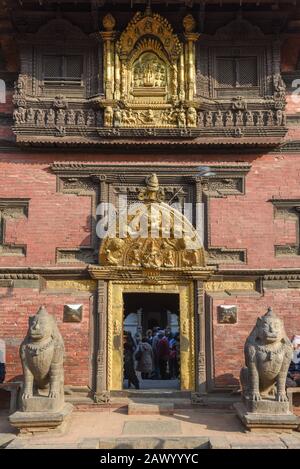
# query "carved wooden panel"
(145, 86)
(11, 209)
(81, 186)
(288, 210)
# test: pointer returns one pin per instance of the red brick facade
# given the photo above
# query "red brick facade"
(23, 303)
(245, 222)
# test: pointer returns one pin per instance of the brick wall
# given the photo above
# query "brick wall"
(63, 220)
(15, 310)
(229, 339)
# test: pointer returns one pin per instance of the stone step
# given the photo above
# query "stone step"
(151, 393)
(151, 408)
(6, 438)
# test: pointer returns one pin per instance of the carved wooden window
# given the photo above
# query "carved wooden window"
(63, 68)
(229, 72)
(236, 72)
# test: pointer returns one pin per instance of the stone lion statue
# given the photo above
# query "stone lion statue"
(42, 353)
(268, 353)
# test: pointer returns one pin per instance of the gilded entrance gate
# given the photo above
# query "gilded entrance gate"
(116, 291)
(161, 252)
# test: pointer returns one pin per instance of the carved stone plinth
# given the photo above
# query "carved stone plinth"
(267, 406)
(37, 422)
(42, 404)
(269, 415)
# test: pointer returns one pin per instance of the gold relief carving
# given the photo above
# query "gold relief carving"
(152, 192)
(149, 73)
(108, 116)
(168, 239)
(117, 328)
(109, 22)
(222, 286)
(155, 25)
(115, 321)
(169, 118)
(189, 23)
(185, 327)
(77, 285)
(192, 117)
(115, 348)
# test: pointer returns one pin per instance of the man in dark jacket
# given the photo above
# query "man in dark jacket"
(163, 354)
(129, 371)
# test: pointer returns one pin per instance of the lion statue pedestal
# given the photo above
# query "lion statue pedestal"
(268, 353)
(42, 405)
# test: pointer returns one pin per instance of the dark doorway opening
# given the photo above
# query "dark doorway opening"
(151, 341)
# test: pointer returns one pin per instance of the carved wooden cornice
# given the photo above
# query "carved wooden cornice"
(264, 278)
(122, 145)
(153, 276)
(289, 147)
(136, 174)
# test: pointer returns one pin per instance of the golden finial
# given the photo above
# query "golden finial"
(152, 192)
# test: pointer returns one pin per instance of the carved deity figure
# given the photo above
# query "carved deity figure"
(239, 119)
(30, 116)
(260, 118)
(19, 97)
(209, 119)
(40, 118)
(80, 118)
(60, 117)
(19, 115)
(168, 256)
(229, 119)
(60, 102)
(270, 118)
(135, 256)
(152, 258)
(42, 354)
(70, 117)
(268, 353)
(113, 252)
(147, 117)
(249, 118)
(108, 116)
(279, 87)
(191, 117)
(219, 119)
(20, 85)
(189, 258)
(280, 117)
(90, 120)
(181, 118)
(239, 104)
(50, 117)
(200, 119)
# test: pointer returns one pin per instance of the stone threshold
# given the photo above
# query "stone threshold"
(283, 441)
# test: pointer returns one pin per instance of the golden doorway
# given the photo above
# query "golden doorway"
(116, 292)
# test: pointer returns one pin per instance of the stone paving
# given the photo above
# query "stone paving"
(188, 428)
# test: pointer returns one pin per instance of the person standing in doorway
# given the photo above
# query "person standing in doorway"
(145, 362)
(155, 340)
(129, 349)
(149, 336)
(163, 352)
